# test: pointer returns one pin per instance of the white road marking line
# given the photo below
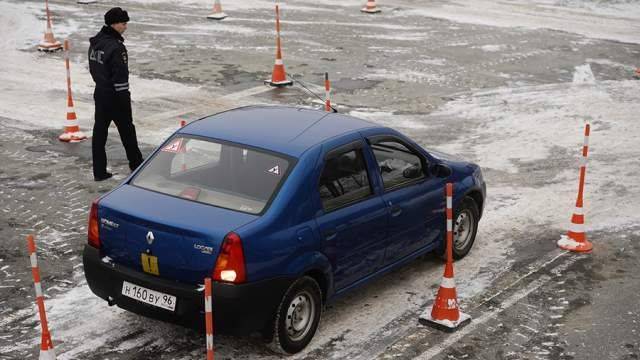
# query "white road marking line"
(454, 338)
(535, 269)
(512, 300)
(529, 328)
(248, 92)
(396, 335)
(214, 100)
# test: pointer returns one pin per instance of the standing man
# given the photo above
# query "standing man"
(108, 63)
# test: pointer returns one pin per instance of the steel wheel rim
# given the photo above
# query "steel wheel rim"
(462, 230)
(300, 314)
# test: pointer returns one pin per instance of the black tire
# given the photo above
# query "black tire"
(303, 300)
(467, 208)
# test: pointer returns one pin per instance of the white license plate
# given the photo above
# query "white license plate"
(149, 296)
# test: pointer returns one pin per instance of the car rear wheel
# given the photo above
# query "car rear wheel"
(297, 317)
(465, 227)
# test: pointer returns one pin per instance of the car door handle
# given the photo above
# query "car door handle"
(395, 210)
(330, 234)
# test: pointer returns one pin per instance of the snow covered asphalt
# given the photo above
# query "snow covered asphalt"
(507, 84)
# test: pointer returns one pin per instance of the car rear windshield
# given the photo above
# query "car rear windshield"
(216, 173)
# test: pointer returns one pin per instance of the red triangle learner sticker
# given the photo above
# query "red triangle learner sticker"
(174, 146)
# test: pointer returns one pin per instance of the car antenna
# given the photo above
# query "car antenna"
(311, 92)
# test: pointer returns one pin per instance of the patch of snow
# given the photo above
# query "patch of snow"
(616, 22)
(584, 75)
(437, 62)
(406, 76)
(492, 48)
(26, 70)
(388, 119)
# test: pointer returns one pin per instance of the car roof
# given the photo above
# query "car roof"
(283, 129)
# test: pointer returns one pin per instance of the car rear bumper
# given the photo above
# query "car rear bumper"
(237, 309)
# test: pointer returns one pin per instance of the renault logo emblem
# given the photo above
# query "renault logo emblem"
(150, 238)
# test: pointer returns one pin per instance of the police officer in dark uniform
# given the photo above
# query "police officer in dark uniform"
(108, 64)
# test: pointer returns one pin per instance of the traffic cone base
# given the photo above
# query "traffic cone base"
(370, 8)
(370, 11)
(282, 83)
(73, 137)
(444, 324)
(217, 13)
(49, 43)
(47, 355)
(279, 76)
(567, 242)
(217, 16)
(49, 46)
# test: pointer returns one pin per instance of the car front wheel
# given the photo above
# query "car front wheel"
(297, 317)
(465, 227)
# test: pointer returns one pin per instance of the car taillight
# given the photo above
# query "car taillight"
(230, 263)
(94, 226)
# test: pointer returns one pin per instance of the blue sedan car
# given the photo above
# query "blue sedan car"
(284, 208)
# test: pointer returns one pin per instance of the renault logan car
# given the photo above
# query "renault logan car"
(284, 208)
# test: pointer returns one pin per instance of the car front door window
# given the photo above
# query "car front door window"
(398, 165)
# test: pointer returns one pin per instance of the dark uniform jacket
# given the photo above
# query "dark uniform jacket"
(108, 62)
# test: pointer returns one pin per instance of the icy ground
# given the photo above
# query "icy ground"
(506, 84)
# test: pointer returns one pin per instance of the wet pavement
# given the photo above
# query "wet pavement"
(529, 300)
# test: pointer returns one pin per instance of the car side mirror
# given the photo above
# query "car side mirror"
(441, 170)
(412, 172)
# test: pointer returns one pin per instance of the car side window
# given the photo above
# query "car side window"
(344, 180)
(398, 165)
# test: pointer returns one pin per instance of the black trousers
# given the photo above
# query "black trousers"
(116, 107)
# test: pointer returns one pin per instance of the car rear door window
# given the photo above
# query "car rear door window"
(344, 180)
(397, 163)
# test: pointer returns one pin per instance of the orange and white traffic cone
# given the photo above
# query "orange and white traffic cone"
(49, 43)
(217, 13)
(445, 313)
(327, 93)
(208, 314)
(46, 345)
(576, 238)
(370, 7)
(72, 131)
(279, 75)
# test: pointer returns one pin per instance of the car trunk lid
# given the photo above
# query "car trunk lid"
(164, 235)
